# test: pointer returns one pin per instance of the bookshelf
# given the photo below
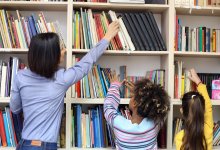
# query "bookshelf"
(164, 15)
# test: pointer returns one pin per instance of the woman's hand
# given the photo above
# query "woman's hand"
(113, 29)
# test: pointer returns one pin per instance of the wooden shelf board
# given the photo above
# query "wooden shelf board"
(127, 53)
(155, 8)
(197, 10)
(95, 101)
(178, 102)
(31, 5)
(13, 50)
(198, 54)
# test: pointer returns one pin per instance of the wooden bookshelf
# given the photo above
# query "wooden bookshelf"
(36, 6)
(121, 53)
(166, 19)
(197, 54)
(122, 7)
(197, 10)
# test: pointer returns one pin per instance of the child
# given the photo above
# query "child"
(149, 105)
(39, 91)
(198, 120)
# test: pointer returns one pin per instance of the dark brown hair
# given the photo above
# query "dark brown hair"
(44, 54)
(193, 105)
(153, 101)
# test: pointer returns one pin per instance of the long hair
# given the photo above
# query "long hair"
(193, 105)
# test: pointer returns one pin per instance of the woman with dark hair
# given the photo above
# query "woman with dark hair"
(39, 91)
(149, 105)
(198, 120)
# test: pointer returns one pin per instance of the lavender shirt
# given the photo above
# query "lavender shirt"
(42, 99)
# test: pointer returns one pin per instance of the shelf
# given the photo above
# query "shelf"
(4, 100)
(155, 8)
(31, 5)
(95, 101)
(197, 54)
(197, 10)
(13, 50)
(126, 53)
(178, 102)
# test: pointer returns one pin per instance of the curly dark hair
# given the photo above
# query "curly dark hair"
(153, 101)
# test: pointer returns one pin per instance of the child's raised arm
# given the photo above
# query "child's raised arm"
(81, 69)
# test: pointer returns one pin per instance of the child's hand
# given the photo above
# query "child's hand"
(113, 78)
(194, 77)
(129, 85)
(113, 29)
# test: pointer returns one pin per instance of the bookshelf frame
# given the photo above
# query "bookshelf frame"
(167, 12)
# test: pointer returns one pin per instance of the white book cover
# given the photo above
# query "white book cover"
(111, 13)
(194, 40)
(127, 36)
(183, 47)
(3, 81)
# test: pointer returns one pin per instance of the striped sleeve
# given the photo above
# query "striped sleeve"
(111, 103)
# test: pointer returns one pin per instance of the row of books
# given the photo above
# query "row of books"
(178, 126)
(8, 70)
(17, 33)
(90, 129)
(201, 3)
(138, 31)
(127, 1)
(37, 0)
(10, 128)
(97, 82)
(201, 39)
(207, 79)
(182, 83)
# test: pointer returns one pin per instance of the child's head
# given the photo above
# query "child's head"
(193, 109)
(45, 54)
(150, 101)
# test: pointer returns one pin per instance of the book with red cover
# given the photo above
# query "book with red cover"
(2, 130)
(78, 84)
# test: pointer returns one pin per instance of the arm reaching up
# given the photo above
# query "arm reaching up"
(81, 69)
